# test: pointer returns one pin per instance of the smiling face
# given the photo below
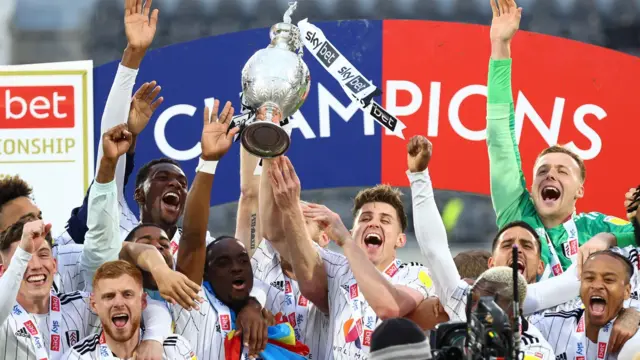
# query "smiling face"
(529, 263)
(229, 272)
(378, 231)
(163, 194)
(38, 278)
(557, 185)
(604, 287)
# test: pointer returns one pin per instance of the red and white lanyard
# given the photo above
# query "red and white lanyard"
(570, 246)
(367, 323)
(105, 353)
(37, 339)
(296, 311)
(580, 341)
(224, 318)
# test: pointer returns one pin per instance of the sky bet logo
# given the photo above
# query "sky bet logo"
(25, 107)
(353, 82)
(327, 53)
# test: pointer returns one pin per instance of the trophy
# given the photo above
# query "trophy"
(275, 83)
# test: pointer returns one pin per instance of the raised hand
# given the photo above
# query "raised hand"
(176, 288)
(33, 235)
(419, 150)
(506, 20)
(285, 183)
(138, 26)
(143, 104)
(116, 141)
(631, 202)
(329, 222)
(215, 139)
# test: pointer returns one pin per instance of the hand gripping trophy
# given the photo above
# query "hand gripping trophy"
(275, 82)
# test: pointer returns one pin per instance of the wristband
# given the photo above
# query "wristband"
(207, 166)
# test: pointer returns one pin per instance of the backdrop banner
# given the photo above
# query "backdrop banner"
(433, 76)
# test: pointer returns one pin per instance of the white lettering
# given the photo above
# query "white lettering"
(161, 139)
(454, 112)
(56, 105)
(434, 108)
(393, 86)
(299, 122)
(39, 103)
(549, 134)
(326, 103)
(8, 100)
(589, 133)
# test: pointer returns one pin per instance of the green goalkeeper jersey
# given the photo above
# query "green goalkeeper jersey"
(512, 201)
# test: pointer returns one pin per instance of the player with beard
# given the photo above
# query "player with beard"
(118, 299)
(365, 286)
(452, 290)
(586, 332)
(558, 174)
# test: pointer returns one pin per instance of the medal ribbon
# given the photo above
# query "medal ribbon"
(351, 80)
(357, 300)
(571, 246)
(580, 343)
(37, 340)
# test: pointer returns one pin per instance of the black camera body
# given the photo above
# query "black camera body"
(487, 334)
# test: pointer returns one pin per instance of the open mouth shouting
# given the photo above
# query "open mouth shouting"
(373, 241)
(171, 201)
(37, 280)
(239, 284)
(597, 305)
(521, 267)
(120, 320)
(550, 194)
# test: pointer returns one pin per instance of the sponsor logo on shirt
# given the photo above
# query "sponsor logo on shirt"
(287, 287)
(302, 301)
(292, 319)
(366, 339)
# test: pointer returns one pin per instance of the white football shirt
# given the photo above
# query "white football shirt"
(175, 347)
(285, 301)
(343, 321)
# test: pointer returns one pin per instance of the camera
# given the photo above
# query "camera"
(487, 334)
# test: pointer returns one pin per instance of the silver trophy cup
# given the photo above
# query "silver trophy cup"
(275, 83)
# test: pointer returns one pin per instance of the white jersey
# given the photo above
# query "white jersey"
(175, 347)
(286, 302)
(68, 277)
(352, 320)
(631, 252)
(77, 321)
(562, 328)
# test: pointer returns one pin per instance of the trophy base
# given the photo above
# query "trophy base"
(265, 139)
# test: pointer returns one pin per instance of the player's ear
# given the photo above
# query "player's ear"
(143, 300)
(138, 195)
(401, 241)
(491, 262)
(627, 291)
(92, 302)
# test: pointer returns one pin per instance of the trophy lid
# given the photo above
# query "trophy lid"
(286, 35)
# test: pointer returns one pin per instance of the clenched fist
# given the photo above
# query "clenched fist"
(419, 150)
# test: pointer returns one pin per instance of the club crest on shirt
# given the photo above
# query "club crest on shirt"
(72, 337)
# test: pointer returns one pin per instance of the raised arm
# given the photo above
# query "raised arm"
(508, 187)
(307, 263)
(247, 221)
(215, 143)
(102, 240)
(429, 228)
(33, 237)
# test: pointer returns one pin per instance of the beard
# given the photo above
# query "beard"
(123, 335)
